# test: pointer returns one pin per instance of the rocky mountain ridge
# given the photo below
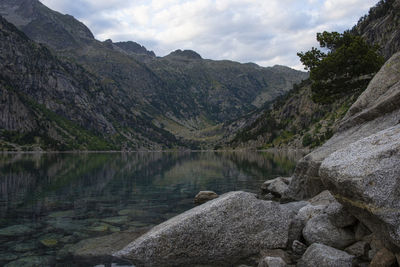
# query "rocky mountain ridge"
(178, 95)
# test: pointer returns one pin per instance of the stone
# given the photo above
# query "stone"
(50, 240)
(6, 257)
(62, 214)
(364, 177)
(339, 216)
(99, 228)
(361, 231)
(276, 253)
(274, 188)
(320, 230)
(272, 262)
(322, 199)
(119, 220)
(298, 248)
(220, 232)
(32, 261)
(16, 230)
(359, 249)
(296, 206)
(25, 247)
(100, 248)
(384, 258)
(204, 196)
(325, 256)
(136, 213)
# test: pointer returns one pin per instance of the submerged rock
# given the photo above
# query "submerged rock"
(204, 196)
(223, 231)
(100, 248)
(32, 261)
(325, 256)
(16, 230)
(119, 220)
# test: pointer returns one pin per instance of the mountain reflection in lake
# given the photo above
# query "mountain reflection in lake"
(50, 201)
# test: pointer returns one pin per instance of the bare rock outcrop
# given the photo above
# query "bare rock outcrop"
(219, 232)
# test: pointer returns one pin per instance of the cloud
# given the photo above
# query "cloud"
(265, 32)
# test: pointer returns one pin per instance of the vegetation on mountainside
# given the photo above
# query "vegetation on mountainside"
(309, 114)
(345, 69)
(376, 12)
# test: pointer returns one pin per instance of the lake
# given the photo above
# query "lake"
(51, 201)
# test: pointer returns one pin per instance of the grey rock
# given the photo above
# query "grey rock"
(365, 178)
(361, 231)
(339, 216)
(358, 249)
(204, 196)
(272, 262)
(99, 248)
(231, 227)
(325, 256)
(32, 261)
(298, 248)
(16, 230)
(276, 253)
(320, 230)
(276, 187)
(296, 206)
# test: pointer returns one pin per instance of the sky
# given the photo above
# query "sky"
(266, 32)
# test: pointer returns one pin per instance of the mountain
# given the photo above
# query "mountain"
(50, 103)
(180, 96)
(295, 120)
(381, 26)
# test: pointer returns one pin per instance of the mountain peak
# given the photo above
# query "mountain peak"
(44, 25)
(189, 54)
(133, 47)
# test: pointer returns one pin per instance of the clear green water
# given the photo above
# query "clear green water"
(50, 202)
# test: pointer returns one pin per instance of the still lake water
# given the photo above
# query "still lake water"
(49, 202)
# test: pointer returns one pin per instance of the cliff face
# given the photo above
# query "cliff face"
(381, 27)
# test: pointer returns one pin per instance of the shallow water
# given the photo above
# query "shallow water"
(49, 202)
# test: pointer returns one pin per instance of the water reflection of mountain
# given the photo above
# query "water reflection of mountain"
(40, 183)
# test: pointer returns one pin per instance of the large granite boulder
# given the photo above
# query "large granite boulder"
(321, 230)
(375, 110)
(219, 232)
(365, 177)
(325, 256)
(204, 196)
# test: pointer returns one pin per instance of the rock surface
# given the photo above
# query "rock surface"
(325, 256)
(320, 230)
(222, 231)
(204, 196)
(365, 178)
(277, 187)
(99, 249)
(272, 262)
(384, 258)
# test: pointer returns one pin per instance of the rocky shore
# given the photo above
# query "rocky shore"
(340, 208)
